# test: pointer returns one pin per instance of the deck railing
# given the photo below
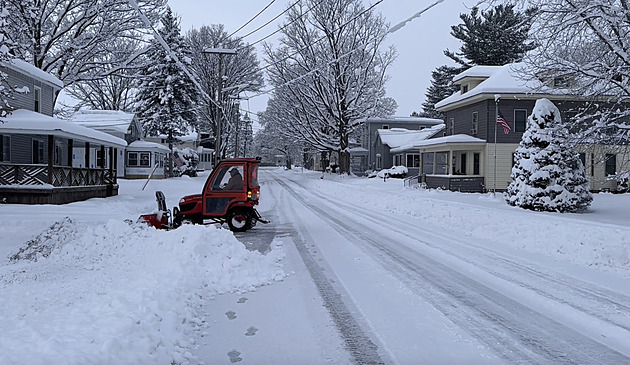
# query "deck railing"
(62, 176)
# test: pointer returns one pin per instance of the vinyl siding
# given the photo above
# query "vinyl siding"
(26, 100)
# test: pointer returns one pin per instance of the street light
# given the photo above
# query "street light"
(221, 52)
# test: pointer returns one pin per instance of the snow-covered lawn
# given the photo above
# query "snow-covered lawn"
(110, 292)
(113, 292)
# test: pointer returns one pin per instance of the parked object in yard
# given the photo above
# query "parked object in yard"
(219, 202)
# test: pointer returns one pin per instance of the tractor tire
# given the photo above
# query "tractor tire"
(239, 220)
(177, 218)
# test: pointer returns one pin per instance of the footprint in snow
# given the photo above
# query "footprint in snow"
(231, 314)
(235, 356)
(242, 300)
(251, 331)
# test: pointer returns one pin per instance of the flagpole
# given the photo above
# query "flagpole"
(496, 118)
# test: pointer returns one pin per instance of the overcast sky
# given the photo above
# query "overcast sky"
(420, 44)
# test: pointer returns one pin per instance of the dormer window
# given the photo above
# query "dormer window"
(464, 89)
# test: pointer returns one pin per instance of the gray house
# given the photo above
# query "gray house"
(394, 146)
(38, 162)
(365, 157)
(467, 152)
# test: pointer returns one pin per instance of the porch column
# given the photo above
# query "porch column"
(434, 162)
(70, 152)
(51, 151)
(87, 155)
(111, 162)
(69, 159)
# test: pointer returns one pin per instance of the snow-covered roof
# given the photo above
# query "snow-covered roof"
(399, 119)
(499, 80)
(456, 138)
(397, 137)
(28, 122)
(146, 144)
(103, 119)
(33, 71)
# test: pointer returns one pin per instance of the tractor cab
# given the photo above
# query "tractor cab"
(228, 196)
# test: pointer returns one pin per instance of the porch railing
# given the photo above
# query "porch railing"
(15, 174)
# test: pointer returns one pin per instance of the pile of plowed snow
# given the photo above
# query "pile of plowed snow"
(139, 289)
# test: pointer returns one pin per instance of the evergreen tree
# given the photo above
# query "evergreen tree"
(441, 88)
(6, 91)
(493, 38)
(166, 96)
(547, 175)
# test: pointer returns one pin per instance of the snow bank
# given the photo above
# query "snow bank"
(119, 293)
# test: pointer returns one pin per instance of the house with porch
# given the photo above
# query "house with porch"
(39, 161)
(476, 152)
(141, 158)
(394, 146)
(365, 157)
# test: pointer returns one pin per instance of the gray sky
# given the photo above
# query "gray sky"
(420, 44)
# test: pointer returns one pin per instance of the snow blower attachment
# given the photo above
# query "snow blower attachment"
(228, 196)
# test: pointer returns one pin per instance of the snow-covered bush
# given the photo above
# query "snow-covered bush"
(547, 174)
(186, 162)
(623, 182)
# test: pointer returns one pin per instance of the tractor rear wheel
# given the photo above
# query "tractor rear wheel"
(239, 220)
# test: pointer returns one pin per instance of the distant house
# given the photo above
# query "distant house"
(38, 163)
(470, 117)
(140, 159)
(394, 146)
(366, 156)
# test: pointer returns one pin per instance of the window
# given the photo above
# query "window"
(397, 160)
(38, 151)
(464, 89)
(385, 126)
(520, 120)
(462, 166)
(475, 123)
(427, 163)
(37, 96)
(413, 160)
(100, 159)
(441, 163)
(138, 159)
(583, 159)
(5, 148)
(58, 155)
(592, 164)
(611, 164)
(476, 163)
(451, 126)
(513, 159)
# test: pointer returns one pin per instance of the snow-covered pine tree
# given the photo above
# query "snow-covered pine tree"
(441, 88)
(494, 37)
(6, 91)
(548, 175)
(166, 96)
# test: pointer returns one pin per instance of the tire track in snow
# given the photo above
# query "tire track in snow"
(360, 346)
(513, 330)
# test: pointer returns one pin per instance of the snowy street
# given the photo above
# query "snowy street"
(402, 290)
(350, 270)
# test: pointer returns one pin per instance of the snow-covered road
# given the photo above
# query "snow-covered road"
(349, 271)
(403, 290)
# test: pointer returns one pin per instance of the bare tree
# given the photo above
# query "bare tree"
(240, 72)
(328, 73)
(114, 89)
(73, 39)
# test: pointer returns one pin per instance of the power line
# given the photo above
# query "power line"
(283, 27)
(390, 30)
(269, 22)
(309, 45)
(252, 19)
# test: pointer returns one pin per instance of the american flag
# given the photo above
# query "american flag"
(501, 120)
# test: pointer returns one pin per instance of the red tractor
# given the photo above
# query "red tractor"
(228, 196)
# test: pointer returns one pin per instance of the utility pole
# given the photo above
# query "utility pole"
(217, 138)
